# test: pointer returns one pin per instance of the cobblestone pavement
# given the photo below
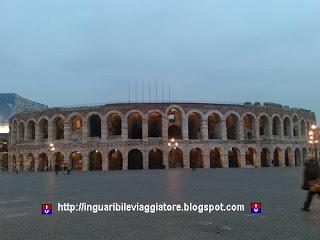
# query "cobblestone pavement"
(277, 188)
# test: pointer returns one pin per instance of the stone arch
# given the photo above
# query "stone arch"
(155, 159)
(296, 126)
(195, 125)
(251, 156)
(277, 157)
(58, 161)
(276, 126)
(21, 162)
(264, 126)
(286, 126)
(114, 121)
(289, 158)
(43, 128)
(135, 159)
(232, 124)
(175, 125)
(115, 160)
(234, 158)
(196, 158)
(94, 126)
(303, 128)
(214, 125)
(135, 125)
(31, 162)
(154, 124)
(95, 161)
(265, 157)
(21, 130)
(249, 125)
(76, 161)
(43, 162)
(31, 130)
(216, 158)
(297, 157)
(58, 127)
(176, 158)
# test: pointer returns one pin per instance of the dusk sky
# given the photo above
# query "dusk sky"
(88, 51)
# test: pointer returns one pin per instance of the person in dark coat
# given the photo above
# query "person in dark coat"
(311, 172)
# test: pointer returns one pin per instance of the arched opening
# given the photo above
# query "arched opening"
(214, 126)
(264, 126)
(95, 161)
(31, 161)
(215, 158)
(154, 125)
(58, 128)
(176, 158)
(296, 132)
(76, 127)
(196, 159)
(303, 128)
(265, 157)
(76, 161)
(277, 157)
(194, 125)
(43, 125)
(115, 160)
(232, 123)
(175, 132)
(31, 131)
(304, 154)
(135, 126)
(43, 162)
(276, 126)
(21, 163)
(135, 159)
(14, 163)
(114, 125)
(58, 161)
(21, 132)
(175, 123)
(250, 155)
(95, 126)
(249, 126)
(233, 158)
(287, 127)
(297, 157)
(155, 159)
(288, 157)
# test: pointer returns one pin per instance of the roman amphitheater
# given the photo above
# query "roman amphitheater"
(128, 136)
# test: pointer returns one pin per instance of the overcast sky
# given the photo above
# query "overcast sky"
(88, 51)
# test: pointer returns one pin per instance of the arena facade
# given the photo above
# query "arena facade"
(136, 135)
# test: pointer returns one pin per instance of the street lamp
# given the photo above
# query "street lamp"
(51, 149)
(173, 144)
(314, 139)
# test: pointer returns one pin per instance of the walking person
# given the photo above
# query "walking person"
(311, 175)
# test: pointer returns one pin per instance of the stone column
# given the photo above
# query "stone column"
(124, 129)
(186, 158)
(125, 161)
(67, 131)
(224, 130)
(166, 157)
(204, 129)
(241, 130)
(165, 126)
(258, 158)
(281, 130)
(85, 131)
(185, 129)
(145, 158)
(225, 158)
(145, 127)
(257, 129)
(85, 161)
(206, 158)
(50, 131)
(242, 160)
(104, 130)
(105, 162)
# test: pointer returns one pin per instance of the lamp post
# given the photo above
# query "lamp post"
(51, 149)
(173, 144)
(314, 139)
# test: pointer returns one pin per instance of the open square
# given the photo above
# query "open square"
(278, 189)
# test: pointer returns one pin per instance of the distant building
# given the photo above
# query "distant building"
(10, 104)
